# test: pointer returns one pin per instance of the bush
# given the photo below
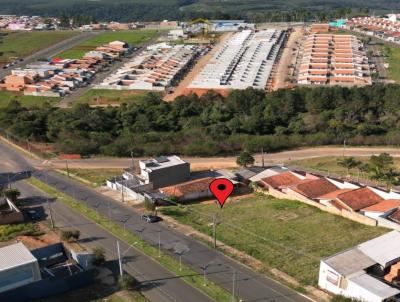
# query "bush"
(126, 282)
(99, 256)
(70, 235)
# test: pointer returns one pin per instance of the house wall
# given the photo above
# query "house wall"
(361, 293)
(170, 176)
(383, 222)
(327, 276)
(196, 195)
(19, 276)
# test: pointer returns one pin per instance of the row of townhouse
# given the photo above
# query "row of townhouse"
(365, 204)
(13, 22)
(245, 60)
(157, 68)
(334, 60)
(384, 28)
(59, 77)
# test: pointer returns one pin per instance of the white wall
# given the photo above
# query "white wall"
(343, 185)
(360, 293)
(325, 271)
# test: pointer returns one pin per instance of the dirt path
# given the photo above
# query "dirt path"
(199, 163)
(288, 58)
(196, 69)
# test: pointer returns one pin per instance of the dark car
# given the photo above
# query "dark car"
(33, 215)
(151, 218)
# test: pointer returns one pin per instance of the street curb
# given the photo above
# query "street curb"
(20, 149)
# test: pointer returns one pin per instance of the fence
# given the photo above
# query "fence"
(48, 287)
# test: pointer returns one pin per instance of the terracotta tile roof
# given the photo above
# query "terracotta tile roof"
(359, 198)
(338, 205)
(384, 206)
(395, 216)
(197, 185)
(315, 188)
(282, 180)
(334, 194)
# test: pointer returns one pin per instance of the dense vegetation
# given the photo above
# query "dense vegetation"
(211, 125)
(254, 10)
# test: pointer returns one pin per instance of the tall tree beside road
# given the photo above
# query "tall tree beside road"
(245, 159)
(381, 164)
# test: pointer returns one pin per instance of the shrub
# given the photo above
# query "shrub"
(126, 282)
(99, 256)
(70, 235)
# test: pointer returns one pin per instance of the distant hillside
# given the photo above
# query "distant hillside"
(128, 10)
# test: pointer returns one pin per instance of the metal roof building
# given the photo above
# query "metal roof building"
(18, 267)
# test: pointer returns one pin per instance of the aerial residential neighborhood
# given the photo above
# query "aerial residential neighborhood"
(199, 151)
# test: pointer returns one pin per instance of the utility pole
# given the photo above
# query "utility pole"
(233, 285)
(66, 165)
(133, 162)
(159, 243)
(51, 214)
(122, 190)
(262, 157)
(215, 230)
(344, 146)
(119, 259)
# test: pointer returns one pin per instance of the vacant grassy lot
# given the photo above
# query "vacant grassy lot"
(134, 38)
(329, 164)
(26, 100)
(105, 96)
(10, 231)
(394, 62)
(97, 177)
(21, 44)
(283, 234)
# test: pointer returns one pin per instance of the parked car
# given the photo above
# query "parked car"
(33, 215)
(151, 218)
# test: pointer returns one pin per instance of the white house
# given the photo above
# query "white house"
(359, 272)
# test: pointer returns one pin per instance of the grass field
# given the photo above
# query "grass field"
(97, 177)
(106, 96)
(134, 38)
(394, 62)
(329, 164)
(10, 231)
(26, 100)
(21, 44)
(283, 234)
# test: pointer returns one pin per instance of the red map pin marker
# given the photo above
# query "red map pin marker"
(221, 189)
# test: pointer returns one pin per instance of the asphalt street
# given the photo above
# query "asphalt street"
(249, 286)
(50, 51)
(157, 283)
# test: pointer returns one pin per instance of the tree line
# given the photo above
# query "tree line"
(212, 125)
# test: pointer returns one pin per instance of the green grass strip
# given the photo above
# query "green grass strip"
(191, 277)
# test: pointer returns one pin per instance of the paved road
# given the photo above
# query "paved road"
(249, 286)
(50, 51)
(158, 284)
(226, 162)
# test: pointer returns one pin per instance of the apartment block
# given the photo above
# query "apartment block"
(334, 60)
(245, 60)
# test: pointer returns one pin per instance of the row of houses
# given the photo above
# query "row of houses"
(157, 68)
(385, 28)
(365, 204)
(58, 76)
(14, 22)
(368, 272)
(245, 60)
(162, 25)
(334, 60)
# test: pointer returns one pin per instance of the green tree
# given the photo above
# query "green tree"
(126, 282)
(149, 205)
(12, 194)
(380, 165)
(348, 163)
(99, 256)
(245, 159)
(70, 236)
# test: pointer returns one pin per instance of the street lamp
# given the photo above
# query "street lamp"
(180, 249)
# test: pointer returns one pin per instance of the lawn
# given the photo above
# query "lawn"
(97, 177)
(26, 100)
(21, 44)
(394, 62)
(283, 234)
(106, 96)
(10, 231)
(133, 38)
